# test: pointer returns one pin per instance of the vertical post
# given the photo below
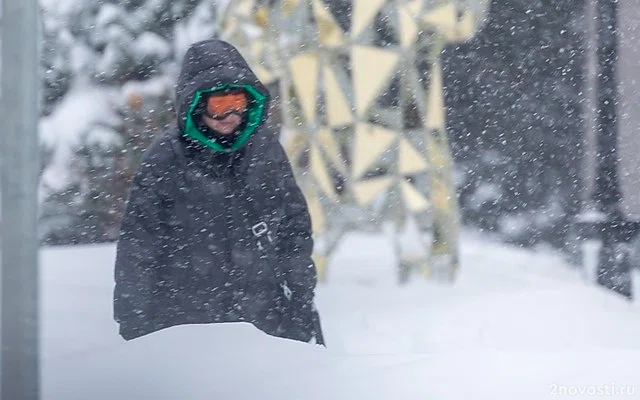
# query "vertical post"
(613, 263)
(19, 367)
(607, 191)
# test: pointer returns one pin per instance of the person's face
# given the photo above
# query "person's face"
(225, 126)
(225, 112)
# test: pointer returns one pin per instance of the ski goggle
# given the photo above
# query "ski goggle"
(222, 105)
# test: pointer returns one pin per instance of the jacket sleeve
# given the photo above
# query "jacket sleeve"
(139, 253)
(295, 238)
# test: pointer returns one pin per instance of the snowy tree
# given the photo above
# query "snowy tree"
(129, 50)
(126, 40)
(55, 65)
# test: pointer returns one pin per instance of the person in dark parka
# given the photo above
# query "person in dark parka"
(216, 228)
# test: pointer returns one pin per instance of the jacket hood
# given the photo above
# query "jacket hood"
(213, 65)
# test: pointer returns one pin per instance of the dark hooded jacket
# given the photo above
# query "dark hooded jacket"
(213, 234)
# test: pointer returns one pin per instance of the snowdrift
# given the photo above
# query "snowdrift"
(516, 325)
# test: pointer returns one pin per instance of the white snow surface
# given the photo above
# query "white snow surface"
(516, 325)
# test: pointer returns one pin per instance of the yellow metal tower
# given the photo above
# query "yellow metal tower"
(363, 115)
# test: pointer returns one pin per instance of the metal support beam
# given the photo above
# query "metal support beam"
(607, 192)
(614, 269)
(19, 366)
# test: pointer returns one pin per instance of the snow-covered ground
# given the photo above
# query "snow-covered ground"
(516, 325)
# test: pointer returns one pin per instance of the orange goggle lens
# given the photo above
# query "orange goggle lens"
(226, 104)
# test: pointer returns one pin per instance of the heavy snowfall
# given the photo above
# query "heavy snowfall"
(535, 113)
